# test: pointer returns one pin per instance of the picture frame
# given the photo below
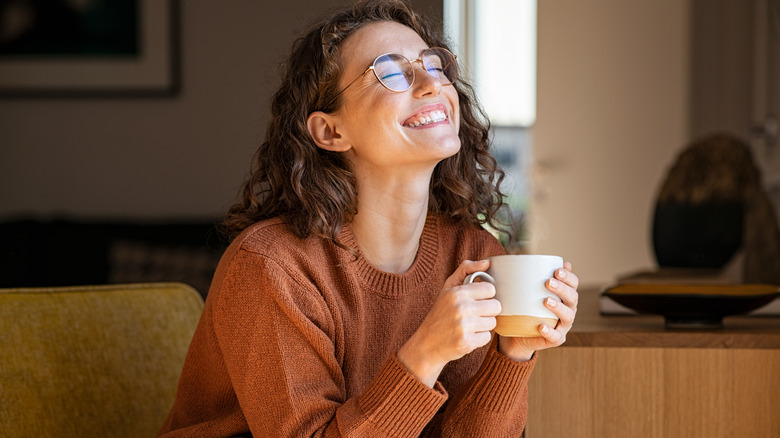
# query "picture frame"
(149, 69)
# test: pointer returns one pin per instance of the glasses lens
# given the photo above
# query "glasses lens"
(394, 71)
(441, 64)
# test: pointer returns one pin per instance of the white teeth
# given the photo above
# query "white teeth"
(432, 117)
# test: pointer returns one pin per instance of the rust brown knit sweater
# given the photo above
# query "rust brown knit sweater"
(298, 338)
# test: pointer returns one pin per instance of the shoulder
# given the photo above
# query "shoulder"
(271, 247)
(267, 261)
(275, 238)
(261, 233)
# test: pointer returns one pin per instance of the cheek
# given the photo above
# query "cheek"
(375, 106)
(456, 109)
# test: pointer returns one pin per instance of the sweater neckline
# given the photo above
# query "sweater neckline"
(389, 284)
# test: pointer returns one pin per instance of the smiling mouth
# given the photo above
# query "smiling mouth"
(423, 119)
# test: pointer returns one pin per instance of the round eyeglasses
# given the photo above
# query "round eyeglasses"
(396, 72)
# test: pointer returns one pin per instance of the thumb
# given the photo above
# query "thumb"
(464, 269)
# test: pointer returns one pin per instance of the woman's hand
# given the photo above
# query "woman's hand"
(564, 285)
(459, 322)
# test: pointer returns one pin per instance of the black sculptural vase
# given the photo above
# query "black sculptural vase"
(706, 235)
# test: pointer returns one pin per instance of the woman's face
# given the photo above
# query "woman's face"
(379, 123)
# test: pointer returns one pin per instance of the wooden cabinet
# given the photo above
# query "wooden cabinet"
(627, 376)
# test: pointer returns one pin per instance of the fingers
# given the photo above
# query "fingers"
(477, 291)
(469, 267)
(567, 276)
(564, 313)
(484, 324)
(488, 307)
(474, 299)
(553, 337)
(564, 284)
(565, 307)
(482, 338)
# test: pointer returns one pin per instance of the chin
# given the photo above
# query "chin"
(451, 146)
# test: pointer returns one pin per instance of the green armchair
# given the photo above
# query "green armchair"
(93, 360)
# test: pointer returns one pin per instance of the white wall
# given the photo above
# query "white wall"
(613, 110)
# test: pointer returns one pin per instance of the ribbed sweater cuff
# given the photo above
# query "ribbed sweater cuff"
(501, 381)
(398, 402)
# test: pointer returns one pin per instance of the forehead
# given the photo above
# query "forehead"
(374, 39)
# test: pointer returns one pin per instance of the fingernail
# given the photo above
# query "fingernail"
(561, 273)
(551, 302)
(545, 329)
(554, 283)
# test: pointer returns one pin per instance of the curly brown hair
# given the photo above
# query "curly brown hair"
(314, 189)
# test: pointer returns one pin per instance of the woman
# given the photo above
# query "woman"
(339, 309)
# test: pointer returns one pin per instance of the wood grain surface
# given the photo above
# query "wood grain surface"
(627, 376)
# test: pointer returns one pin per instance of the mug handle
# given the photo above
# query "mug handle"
(479, 274)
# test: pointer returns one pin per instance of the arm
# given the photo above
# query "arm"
(458, 323)
(277, 337)
(494, 401)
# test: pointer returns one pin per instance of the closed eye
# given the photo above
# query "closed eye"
(391, 75)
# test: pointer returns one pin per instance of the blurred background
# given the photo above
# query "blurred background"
(161, 133)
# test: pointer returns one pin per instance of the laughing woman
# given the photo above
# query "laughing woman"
(339, 309)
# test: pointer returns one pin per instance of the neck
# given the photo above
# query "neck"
(390, 220)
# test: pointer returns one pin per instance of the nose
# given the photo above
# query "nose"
(425, 83)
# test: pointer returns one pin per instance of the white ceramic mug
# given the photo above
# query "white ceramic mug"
(520, 288)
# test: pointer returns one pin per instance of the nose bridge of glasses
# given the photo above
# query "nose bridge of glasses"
(432, 72)
(439, 65)
(424, 68)
(423, 65)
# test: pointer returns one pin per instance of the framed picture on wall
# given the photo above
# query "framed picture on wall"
(88, 48)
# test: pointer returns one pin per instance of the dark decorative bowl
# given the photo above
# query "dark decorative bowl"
(691, 305)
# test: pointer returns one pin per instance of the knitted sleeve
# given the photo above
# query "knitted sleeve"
(277, 338)
(494, 403)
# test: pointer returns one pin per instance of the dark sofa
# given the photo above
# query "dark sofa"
(67, 252)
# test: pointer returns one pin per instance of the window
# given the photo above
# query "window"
(496, 41)
(496, 44)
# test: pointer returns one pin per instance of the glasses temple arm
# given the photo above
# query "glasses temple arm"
(370, 67)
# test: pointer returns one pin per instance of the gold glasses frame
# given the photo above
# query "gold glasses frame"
(454, 58)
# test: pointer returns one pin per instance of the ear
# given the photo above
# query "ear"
(323, 129)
